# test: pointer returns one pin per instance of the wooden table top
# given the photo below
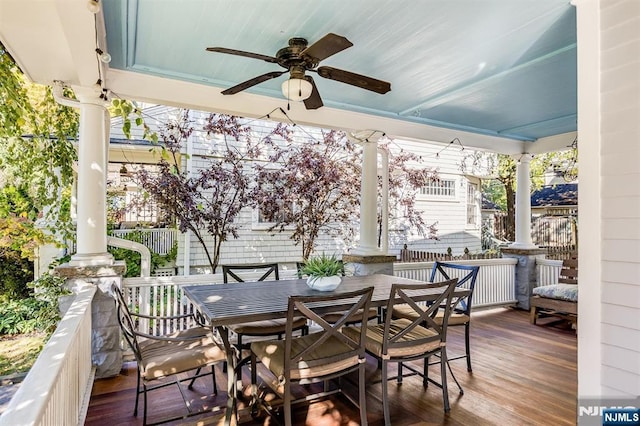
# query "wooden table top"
(234, 303)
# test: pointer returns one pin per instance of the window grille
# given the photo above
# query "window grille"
(440, 188)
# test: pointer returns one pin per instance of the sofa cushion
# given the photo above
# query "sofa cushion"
(558, 291)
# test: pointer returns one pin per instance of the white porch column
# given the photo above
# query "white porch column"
(92, 182)
(523, 203)
(384, 173)
(368, 245)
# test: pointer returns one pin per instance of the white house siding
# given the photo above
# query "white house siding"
(450, 214)
(620, 173)
(609, 198)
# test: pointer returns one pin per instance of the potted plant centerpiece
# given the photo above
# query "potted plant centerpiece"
(325, 272)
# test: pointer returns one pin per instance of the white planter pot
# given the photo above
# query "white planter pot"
(324, 283)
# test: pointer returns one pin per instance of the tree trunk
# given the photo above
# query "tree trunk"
(510, 227)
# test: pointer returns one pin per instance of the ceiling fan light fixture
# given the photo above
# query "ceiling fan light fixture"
(296, 89)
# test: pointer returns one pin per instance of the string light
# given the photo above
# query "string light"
(104, 56)
(98, 86)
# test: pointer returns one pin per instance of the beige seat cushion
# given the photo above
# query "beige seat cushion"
(454, 318)
(375, 337)
(334, 317)
(163, 358)
(267, 327)
(272, 355)
(406, 311)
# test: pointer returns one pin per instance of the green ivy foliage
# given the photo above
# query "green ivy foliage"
(36, 150)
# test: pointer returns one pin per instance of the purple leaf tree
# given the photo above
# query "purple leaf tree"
(208, 202)
(313, 186)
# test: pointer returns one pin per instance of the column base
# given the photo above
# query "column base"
(525, 271)
(92, 259)
(523, 246)
(366, 251)
(369, 265)
(106, 354)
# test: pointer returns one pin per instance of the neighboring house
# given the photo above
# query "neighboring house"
(555, 200)
(452, 203)
(554, 210)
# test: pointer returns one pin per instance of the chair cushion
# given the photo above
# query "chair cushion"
(375, 337)
(163, 358)
(267, 327)
(454, 318)
(272, 354)
(334, 317)
(406, 311)
(558, 291)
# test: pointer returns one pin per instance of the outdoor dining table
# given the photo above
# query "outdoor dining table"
(221, 305)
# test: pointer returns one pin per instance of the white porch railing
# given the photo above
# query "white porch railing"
(547, 271)
(495, 285)
(57, 389)
(158, 240)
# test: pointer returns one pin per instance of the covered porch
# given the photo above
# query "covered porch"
(57, 41)
(523, 374)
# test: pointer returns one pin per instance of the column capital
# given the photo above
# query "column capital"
(524, 157)
(90, 95)
(365, 136)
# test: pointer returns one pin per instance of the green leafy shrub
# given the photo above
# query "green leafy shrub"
(27, 316)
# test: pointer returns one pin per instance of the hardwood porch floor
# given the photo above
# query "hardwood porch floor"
(522, 375)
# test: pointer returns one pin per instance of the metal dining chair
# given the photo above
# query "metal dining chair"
(168, 355)
(265, 328)
(399, 340)
(316, 357)
(461, 315)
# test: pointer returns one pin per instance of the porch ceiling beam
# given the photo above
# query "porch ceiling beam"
(559, 142)
(153, 89)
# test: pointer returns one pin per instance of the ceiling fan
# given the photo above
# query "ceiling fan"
(297, 58)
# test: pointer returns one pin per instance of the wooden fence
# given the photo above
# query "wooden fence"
(407, 255)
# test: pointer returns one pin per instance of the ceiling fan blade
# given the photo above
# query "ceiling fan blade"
(326, 46)
(354, 79)
(243, 53)
(314, 101)
(252, 82)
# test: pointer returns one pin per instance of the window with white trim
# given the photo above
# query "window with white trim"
(472, 204)
(440, 188)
